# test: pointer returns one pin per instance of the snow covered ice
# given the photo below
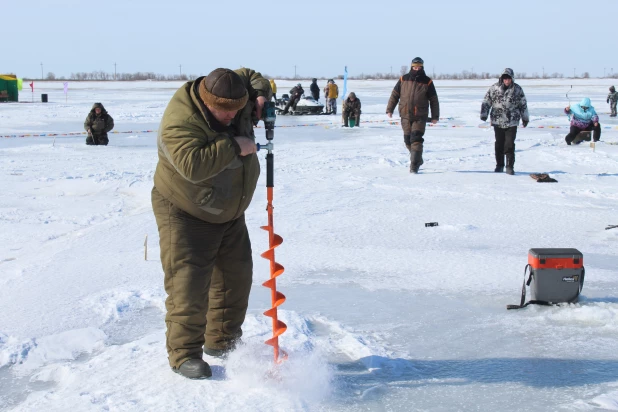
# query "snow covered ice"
(383, 313)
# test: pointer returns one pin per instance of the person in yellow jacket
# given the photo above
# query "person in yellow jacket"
(273, 86)
(333, 93)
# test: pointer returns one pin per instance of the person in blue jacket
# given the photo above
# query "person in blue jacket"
(583, 118)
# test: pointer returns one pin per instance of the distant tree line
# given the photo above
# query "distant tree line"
(103, 76)
(464, 75)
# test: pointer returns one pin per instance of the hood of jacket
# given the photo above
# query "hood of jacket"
(585, 102)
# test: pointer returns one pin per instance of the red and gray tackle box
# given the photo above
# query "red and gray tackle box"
(556, 276)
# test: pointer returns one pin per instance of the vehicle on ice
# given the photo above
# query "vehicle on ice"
(306, 105)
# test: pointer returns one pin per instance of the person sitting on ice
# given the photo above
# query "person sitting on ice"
(97, 124)
(583, 118)
(351, 109)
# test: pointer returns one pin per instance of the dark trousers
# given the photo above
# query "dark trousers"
(347, 115)
(208, 274)
(505, 145)
(574, 131)
(94, 139)
(291, 103)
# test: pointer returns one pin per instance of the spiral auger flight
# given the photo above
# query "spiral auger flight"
(274, 240)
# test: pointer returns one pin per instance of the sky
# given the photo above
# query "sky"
(317, 38)
(383, 313)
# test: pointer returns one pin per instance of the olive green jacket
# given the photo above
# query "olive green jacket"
(200, 169)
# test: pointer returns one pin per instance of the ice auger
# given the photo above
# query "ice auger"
(274, 240)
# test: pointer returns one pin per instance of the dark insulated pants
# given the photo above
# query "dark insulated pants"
(291, 103)
(413, 132)
(347, 115)
(505, 145)
(208, 274)
(97, 140)
(574, 131)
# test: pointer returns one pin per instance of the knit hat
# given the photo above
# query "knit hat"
(417, 61)
(352, 94)
(612, 89)
(224, 90)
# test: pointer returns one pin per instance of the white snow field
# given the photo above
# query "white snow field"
(383, 313)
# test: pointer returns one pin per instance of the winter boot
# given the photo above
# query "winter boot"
(499, 169)
(510, 162)
(194, 369)
(217, 353)
(416, 160)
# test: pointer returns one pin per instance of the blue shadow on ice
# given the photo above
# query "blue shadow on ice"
(534, 372)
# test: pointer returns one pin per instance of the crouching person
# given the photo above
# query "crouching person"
(204, 181)
(98, 123)
(351, 109)
(583, 119)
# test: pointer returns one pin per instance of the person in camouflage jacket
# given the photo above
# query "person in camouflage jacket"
(351, 109)
(416, 94)
(98, 123)
(612, 99)
(506, 104)
(204, 181)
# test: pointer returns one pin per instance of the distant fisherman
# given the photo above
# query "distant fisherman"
(584, 118)
(415, 93)
(507, 102)
(98, 123)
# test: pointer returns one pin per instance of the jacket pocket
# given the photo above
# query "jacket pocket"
(222, 191)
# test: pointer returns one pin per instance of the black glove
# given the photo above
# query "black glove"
(524, 122)
(484, 118)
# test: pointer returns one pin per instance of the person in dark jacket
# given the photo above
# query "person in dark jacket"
(507, 102)
(295, 93)
(98, 123)
(351, 109)
(315, 89)
(415, 93)
(203, 184)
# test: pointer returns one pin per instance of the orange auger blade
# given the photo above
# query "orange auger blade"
(276, 269)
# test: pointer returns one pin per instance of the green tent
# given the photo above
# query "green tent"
(8, 88)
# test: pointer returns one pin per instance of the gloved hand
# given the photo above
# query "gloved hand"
(524, 122)
(484, 118)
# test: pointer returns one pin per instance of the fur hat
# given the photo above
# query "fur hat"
(417, 61)
(224, 90)
(612, 89)
(352, 94)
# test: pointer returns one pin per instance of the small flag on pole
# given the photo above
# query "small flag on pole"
(66, 87)
(32, 86)
(345, 82)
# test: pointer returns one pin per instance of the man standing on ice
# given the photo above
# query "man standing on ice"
(507, 103)
(415, 93)
(204, 181)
